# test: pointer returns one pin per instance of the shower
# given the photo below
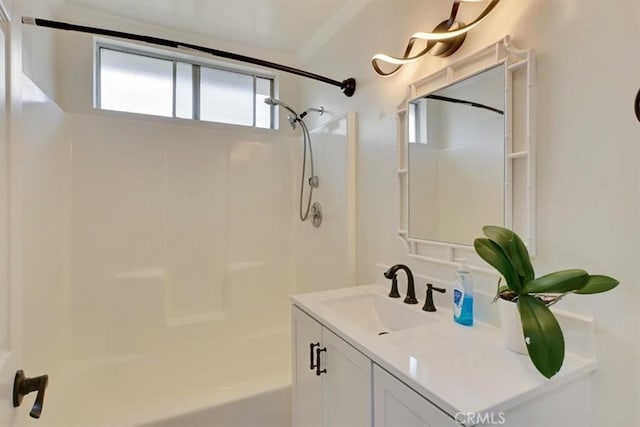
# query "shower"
(295, 118)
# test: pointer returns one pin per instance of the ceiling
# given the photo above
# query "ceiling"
(293, 27)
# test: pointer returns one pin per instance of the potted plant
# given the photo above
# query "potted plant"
(506, 252)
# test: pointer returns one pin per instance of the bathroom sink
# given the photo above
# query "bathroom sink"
(377, 314)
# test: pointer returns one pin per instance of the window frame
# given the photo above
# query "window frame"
(197, 65)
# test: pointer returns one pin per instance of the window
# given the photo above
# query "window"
(418, 121)
(140, 82)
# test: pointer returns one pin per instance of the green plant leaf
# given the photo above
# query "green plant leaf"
(597, 284)
(493, 254)
(543, 336)
(500, 235)
(557, 283)
(520, 258)
(515, 249)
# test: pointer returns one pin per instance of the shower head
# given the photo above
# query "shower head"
(276, 102)
(271, 101)
(295, 117)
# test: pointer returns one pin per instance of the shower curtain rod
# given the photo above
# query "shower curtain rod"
(347, 86)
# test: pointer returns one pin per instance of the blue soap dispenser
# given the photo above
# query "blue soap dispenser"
(463, 295)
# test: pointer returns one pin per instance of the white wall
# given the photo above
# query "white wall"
(4, 185)
(174, 225)
(588, 159)
(324, 257)
(46, 161)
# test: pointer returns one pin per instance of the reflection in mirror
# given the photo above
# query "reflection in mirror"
(457, 154)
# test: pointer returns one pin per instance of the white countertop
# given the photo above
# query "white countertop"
(458, 368)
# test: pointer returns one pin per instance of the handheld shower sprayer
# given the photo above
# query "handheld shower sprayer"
(277, 102)
(294, 117)
(313, 181)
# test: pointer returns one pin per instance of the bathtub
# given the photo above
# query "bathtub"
(267, 408)
(245, 385)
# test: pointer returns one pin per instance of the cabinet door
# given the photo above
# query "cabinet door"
(307, 386)
(396, 405)
(347, 393)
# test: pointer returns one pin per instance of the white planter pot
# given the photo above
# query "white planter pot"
(511, 326)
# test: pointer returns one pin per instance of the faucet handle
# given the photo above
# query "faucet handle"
(428, 304)
(23, 386)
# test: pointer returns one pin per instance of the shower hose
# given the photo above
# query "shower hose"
(306, 142)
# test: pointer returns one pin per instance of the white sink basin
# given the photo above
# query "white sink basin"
(376, 314)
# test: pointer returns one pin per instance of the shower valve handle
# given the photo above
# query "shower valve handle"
(23, 386)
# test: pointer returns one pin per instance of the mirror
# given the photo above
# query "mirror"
(466, 154)
(456, 144)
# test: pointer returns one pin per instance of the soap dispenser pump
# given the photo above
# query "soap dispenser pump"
(463, 295)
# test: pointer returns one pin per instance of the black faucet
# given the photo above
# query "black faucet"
(428, 304)
(411, 292)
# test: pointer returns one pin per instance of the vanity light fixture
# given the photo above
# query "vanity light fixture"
(444, 40)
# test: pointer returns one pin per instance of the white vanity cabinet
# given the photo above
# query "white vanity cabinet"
(331, 379)
(334, 385)
(395, 405)
(347, 375)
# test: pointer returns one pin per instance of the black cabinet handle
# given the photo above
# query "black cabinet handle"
(23, 386)
(312, 364)
(318, 361)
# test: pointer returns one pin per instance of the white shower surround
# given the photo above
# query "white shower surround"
(159, 256)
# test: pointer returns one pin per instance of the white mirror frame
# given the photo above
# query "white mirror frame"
(520, 147)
